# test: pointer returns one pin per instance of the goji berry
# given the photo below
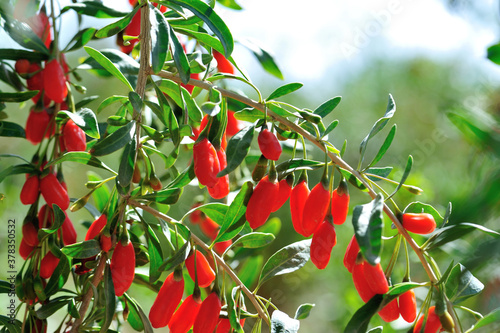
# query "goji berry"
(155, 182)
(204, 272)
(68, 231)
(167, 300)
(224, 325)
(298, 199)
(432, 324)
(323, 241)
(209, 227)
(408, 306)
(340, 203)
(208, 316)
(54, 81)
(22, 67)
(196, 216)
(122, 267)
(221, 247)
(53, 192)
(376, 278)
(30, 190)
(30, 233)
(206, 163)
(36, 125)
(269, 145)
(41, 26)
(315, 208)
(190, 87)
(390, 312)
(233, 125)
(183, 318)
(45, 217)
(95, 229)
(48, 265)
(136, 177)
(132, 29)
(261, 202)
(360, 282)
(221, 189)
(351, 254)
(25, 249)
(285, 189)
(74, 137)
(419, 223)
(223, 64)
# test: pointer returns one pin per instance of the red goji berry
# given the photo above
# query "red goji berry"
(390, 312)
(204, 272)
(53, 192)
(360, 282)
(221, 189)
(74, 137)
(223, 64)
(22, 67)
(340, 203)
(315, 208)
(224, 325)
(323, 241)
(45, 217)
(132, 29)
(41, 26)
(30, 190)
(36, 125)
(408, 306)
(190, 87)
(432, 324)
(25, 249)
(183, 318)
(209, 227)
(122, 267)
(269, 145)
(48, 265)
(285, 189)
(54, 81)
(351, 254)
(196, 216)
(221, 247)
(68, 231)
(419, 223)
(208, 316)
(30, 233)
(376, 278)
(233, 125)
(298, 199)
(95, 229)
(261, 202)
(167, 300)
(206, 163)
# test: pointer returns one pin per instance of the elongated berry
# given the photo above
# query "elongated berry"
(95, 229)
(53, 192)
(390, 312)
(183, 318)
(360, 282)
(22, 67)
(298, 199)
(45, 217)
(48, 265)
(68, 231)
(261, 202)
(167, 300)
(408, 306)
(208, 316)
(285, 189)
(221, 247)
(233, 125)
(224, 325)
(315, 209)
(432, 325)
(30, 190)
(209, 227)
(25, 249)
(221, 189)
(223, 65)
(419, 223)
(54, 81)
(206, 163)
(36, 125)
(122, 267)
(376, 278)
(30, 233)
(323, 241)
(73, 137)
(351, 254)
(133, 29)
(269, 145)
(204, 272)
(340, 203)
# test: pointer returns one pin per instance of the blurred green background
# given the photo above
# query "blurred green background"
(435, 70)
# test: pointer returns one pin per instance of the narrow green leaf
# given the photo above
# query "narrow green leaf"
(254, 240)
(160, 36)
(167, 197)
(80, 157)
(383, 172)
(353, 180)
(279, 110)
(48, 309)
(17, 97)
(180, 58)
(59, 218)
(490, 318)
(360, 320)
(114, 141)
(285, 90)
(367, 223)
(81, 250)
(23, 35)
(84, 101)
(385, 146)
(11, 325)
(135, 100)
(16, 54)
(303, 311)
(85, 119)
(234, 218)
(264, 57)
(59, 277)
(237, 149)
(406, 173)
(282, 323)
(215, 211)
(127, 164)
(12, 130)
(155, 255)
(493, 53)
(81, 38)
(232, 309)
(94, 9)
(106, 63)
(461, 284)
(138, 309)
(110, 100)
(115, 27)
(287, 260)
(200, 35)
(109, 296)
(330, 128)
(177, 258)
(456, 231)
(298, 164)
(327, 107)
(125, 64)
(17, 169)
(401, 288)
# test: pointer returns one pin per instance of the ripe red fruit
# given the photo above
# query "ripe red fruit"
(376, 278)
(206, 163)
(190, 87)
(133, 29)
(45, 217)
(233, 125)
(167, 300)
(223, 64)
(419, 223)
(269, 145)
(390, 312)
(323, 241)
(122, 267)
(285, 189)
(351, 253)
(96, 228)
(54, 81)
(73, 137)
(360, 282)
(261, 202)
(315, 208)
(36, 125)
(22, 66)
(196, 216)
(221, 247)
(408, 306)
(30, 233)
(221, 189)
(432, 325)
(68, 231)
(224, 325)
(25, 249)
(298, 199)
(209, 227)
(208, 316)
(183, 318)
(204, 272)
(48, 265)
(30, 190)
(340, 203)
(53, 192)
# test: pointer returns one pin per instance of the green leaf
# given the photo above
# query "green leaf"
(180, 58)
(110, 100)
(461, 284)
(254, 240)
(23, 35)
(213, 21)
(303, 311)
(48, 309)
(456, 231)
(17, 169)
(401, 288)
(493, 53)
(367, 222)
(279, 110)
(85, 119)
(82, 250)
(330, 128)
(490, 318)
(215, 211)
(234, 218)
(136, 311)
(327, 107)
(59, 217)
(232, 308)
(114, 141)
(281, 323)
(385, 146)
(135, 100)
(237, 149)
(406, 173)
(93, 8)
(378, 329)
(12, 130)
(17, 97)
(85, 101)
(126, 64)
(12, 325)
(108, 65)
(80, 157)
(360, 320)
(109, 296)
(59, 277)
(298, 164)
(167, 197)
(115, 27)
(383, 172)
(200, 35)
(81, 38)
(194, 111)
(177, 258)
(155, 255)
(160, 36)
(101, 194)
(287, 260)
(420, 207)
(15, 54)
(264, 57)
(285, 90)
(127, 164)
(230, 4)
(353, 180)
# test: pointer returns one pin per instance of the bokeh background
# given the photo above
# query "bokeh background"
(430, 55)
